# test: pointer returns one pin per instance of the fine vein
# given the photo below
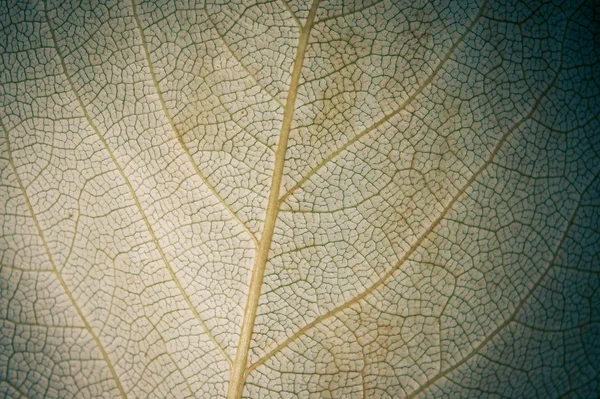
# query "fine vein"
(389, 116)
(133, 195)
(57, 273)
(518, 308)
(242, 65)
(176, 131)
(414, 246)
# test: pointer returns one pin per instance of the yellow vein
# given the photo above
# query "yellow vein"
(55, 270)
(386, 118)
(187, 383)
(23, 270)
(414, 246)
(439, 325)
(134, 197)
(43, 325)
(363, 374)
(238, 124)
(514, 314)
(176, 131)
(238, 375)
(242, 65)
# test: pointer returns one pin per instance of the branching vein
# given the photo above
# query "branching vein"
(176, 131)
(388, 117)
(517, 309)
(238, 376)
(56, 271)
(417, 243)
(134, 197)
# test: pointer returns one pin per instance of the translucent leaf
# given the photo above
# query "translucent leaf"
(326, 199)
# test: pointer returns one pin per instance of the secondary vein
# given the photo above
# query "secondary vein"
(134, 196)
(176, 131)
(57, 272)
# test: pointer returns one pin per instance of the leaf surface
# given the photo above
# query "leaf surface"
(321, 199)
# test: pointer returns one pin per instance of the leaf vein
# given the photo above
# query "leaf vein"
(388, 117)
(414, 246)
(133, 195)
(55, 270)
(515, 313)
(176, 131)
(239, 61)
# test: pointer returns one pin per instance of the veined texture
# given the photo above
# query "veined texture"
(303, 199)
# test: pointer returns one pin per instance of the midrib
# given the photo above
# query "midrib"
(238, 374)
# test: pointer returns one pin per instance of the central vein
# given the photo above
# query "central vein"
(236, 382)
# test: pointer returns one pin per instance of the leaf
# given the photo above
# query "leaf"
(376, 199)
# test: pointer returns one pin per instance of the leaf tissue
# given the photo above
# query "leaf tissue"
(299, 199)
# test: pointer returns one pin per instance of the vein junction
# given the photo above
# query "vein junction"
(238, 374)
